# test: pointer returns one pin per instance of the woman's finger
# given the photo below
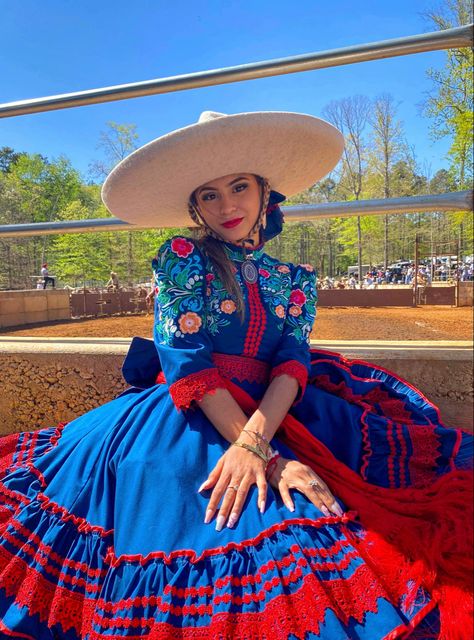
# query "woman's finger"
(240, 498)
(262, 492)
(285, 495)
(227, 503)
(215, 498)
(213, 476)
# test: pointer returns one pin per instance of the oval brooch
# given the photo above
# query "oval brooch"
(249, 272)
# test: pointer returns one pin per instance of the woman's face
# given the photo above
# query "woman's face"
(230, 205)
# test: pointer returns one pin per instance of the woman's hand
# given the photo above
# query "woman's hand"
(291, 474)
(236, 471)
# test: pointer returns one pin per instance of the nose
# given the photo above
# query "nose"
(227, 204)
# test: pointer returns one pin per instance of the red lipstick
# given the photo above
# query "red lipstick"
(232, 223)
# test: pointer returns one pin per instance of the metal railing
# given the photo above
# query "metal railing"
(457, 201)
(450, 38)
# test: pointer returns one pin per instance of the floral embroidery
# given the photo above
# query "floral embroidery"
(280, 311)
(308, 267)
(190, 322)
(264, 273)
(182, 247)
(282, 268)
(228, 306)
(297, 297)
(295, 310)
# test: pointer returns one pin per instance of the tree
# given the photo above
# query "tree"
(351, 116)
(388, 147)
(450, 102)
(117, 142)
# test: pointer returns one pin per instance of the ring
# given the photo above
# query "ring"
(315, 484)
(234, 487)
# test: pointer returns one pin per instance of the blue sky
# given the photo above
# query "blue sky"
(58, 46)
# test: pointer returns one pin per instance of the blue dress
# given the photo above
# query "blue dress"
(102, 526)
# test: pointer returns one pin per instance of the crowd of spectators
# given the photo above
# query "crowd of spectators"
(403, 273)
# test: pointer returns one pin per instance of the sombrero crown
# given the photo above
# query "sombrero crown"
(151, 187)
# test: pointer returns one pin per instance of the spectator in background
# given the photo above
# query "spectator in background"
(46, 277)
(113, 282)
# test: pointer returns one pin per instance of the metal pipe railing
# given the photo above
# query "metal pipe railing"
(457, 201)
(455, 38)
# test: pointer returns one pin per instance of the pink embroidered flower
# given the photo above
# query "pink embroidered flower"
(264, 273)
(308, 267)
(228, 306)
(182, 247)
(208, 291)
(280, 311)
(295, 310)
(297, 297)
(189, 322)
(210, 277)
(282, 268)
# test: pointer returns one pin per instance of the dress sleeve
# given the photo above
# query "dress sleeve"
(180, 332)
(292, 355)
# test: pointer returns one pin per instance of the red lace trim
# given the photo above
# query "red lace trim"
(425, 444)
(35, 547)
(8, 446)
(298, 613)
(242, 368)
(81, 523)
(195, 386)
(257, 322)
(193, 558)
(294, 369)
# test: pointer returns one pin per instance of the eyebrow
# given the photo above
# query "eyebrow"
(239, 179)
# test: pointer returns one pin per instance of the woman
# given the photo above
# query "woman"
(243, 487)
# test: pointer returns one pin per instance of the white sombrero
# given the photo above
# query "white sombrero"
(151, 187)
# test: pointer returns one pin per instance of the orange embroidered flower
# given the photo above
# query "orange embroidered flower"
(308, 267)
(280, 311)
(282, 268)
(228, 306)
(295, 310)
(189, 322)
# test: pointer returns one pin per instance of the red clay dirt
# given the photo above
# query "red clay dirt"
(341, 323)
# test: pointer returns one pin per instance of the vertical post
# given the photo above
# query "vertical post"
(458, 272)
(415, 275)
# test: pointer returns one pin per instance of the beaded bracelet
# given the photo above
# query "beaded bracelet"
(271, 465)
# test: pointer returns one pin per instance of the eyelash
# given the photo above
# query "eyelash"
(238, 188)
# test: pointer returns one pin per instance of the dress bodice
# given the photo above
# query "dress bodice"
(196, 317)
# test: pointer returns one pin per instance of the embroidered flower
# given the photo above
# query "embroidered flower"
(189, 322)
(228, 306)
(282, 268)
(208, 291)
(264, 273)
(182, 247)
(280, 311)
(308, 267)
(297, 297)
(210, 277)
(295, 310)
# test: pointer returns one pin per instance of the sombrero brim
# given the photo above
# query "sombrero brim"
(151, 187)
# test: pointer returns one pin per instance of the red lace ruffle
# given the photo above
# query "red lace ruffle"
(194, 387)
(295, 369)
(257, 322)
(241, 368)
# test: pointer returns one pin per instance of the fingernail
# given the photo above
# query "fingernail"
(220, 523)
(202, 486)
(232, 520)
(208, 517)
(290, 507)
(325, 511)
(337, 510)
(262, 506)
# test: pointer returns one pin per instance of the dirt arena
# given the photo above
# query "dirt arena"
(342, 323)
